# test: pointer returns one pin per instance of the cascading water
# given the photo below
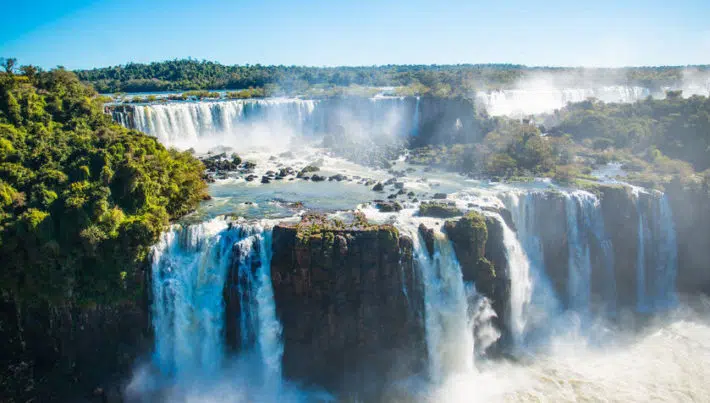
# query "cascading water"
(415, 119)
(584, 232)
(184, 123)
(449, 329)
(190, 268)
(543, 303)
(667, 256)
(656, 253)
(545, 99)
(260, 329)
(521, 285)
(190, 124)
(579, 279)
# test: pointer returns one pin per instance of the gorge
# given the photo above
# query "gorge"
(371, 303)
(328, 263)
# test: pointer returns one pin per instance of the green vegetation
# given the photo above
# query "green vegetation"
(314, 226)
(434, 80)
(654, 141)
(661, 138)
(246, 94)
(439, 209)
(81, 198)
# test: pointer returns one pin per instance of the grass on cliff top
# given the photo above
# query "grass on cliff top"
(315, 225)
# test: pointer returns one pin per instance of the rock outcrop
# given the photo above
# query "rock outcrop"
(66, 353)
(482, 259)
(344, 295)
(690, 204)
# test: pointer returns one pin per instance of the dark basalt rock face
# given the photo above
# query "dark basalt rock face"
(68, 353)
(427, 235)
(691, 214)
(551, 224)
(620, 215)
(478, 243)
(349, 302)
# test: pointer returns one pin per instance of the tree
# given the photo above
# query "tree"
(8, 64)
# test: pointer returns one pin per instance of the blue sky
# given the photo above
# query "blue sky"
(90, 33)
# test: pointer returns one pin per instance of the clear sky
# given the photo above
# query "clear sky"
(91, 33)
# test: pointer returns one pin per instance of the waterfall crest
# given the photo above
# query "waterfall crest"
(259, 121)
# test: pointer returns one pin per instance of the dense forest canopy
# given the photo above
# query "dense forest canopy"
(81, 198)
(190, 74)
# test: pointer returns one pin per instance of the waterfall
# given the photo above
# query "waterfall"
(656, 253)
(449, 328)
(579, 279)
(186, 123)
(260, 329)
(190, 268)
(415, 119)
(667, 256)
(641, 303)
(264, 122)
(535, 290)
(546, 98)
(521, 284)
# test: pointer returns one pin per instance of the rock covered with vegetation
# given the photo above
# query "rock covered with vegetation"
(439, 209)
(477, 252)
(81, 202)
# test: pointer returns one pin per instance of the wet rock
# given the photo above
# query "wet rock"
(250, 178)
(318, 178)
(388, 206)
(427, 235)
(504, 213)
(440, 196)
(265, 179)
(295, 205)
(221, 162)
(378, 187)
(483, 260)
(310, 169)
(439, 210)
(284, 172)
(338, 177)
(399, 185)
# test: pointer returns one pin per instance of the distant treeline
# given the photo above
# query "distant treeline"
(440, 80)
